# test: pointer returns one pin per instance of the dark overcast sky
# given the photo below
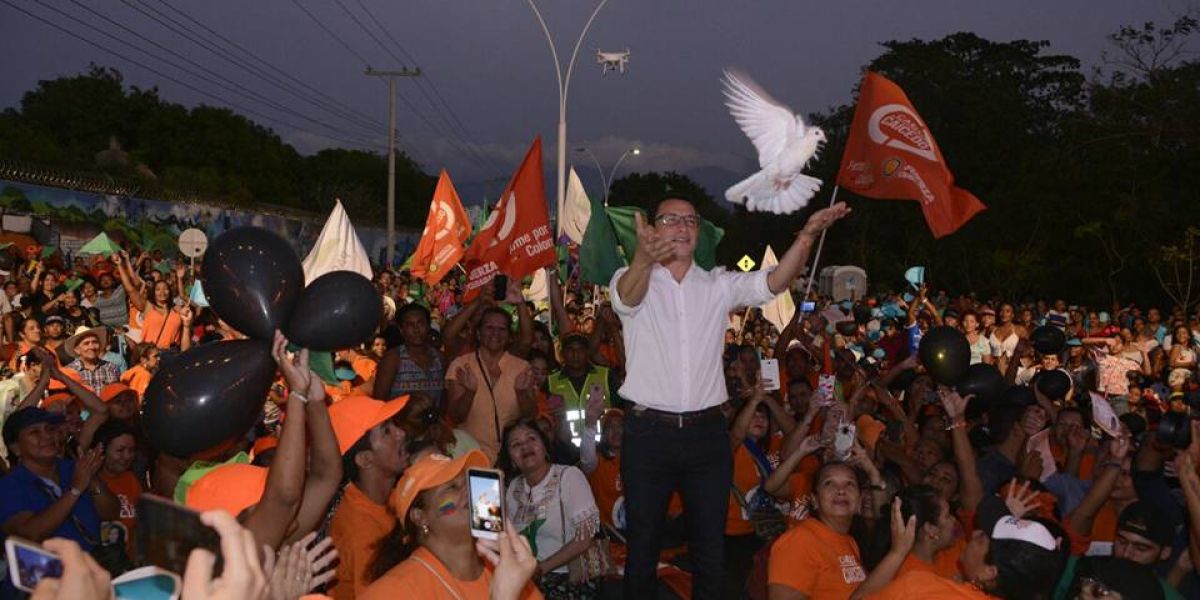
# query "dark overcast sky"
(490, 61)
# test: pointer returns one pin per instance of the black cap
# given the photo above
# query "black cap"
(575, 338)
(1140, 518)
(26, 417)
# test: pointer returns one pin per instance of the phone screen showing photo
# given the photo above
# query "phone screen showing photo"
(34, 564)
(487, 502)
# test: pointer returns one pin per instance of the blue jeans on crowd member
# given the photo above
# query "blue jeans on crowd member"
(658, 458)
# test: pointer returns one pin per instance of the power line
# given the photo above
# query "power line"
(455, 136)
(220, 81)
(182, 30)
(331, 33)
(408, 103)
(159, 73)
(428, 81)
(313, 90)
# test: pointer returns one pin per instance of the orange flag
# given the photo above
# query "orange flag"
(446, 231)
(891, 155)
(516, 239)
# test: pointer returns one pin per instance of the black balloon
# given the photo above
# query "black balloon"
(1054, 384)
(984, 381)
(207, 396)
(1048, 339)
(337, 310)
(945, 354)
(252, 279)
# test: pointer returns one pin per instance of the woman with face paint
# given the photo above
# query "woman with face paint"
(431, 554)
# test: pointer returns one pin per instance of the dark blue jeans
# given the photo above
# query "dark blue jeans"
(658, 458)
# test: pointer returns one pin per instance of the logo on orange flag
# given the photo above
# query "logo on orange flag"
(891, 155)
(446, 231)
(516, 239)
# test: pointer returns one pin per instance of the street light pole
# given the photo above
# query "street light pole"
(564, 85)
(391, 189)
(607, 182)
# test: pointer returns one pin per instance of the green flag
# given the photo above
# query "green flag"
(626, 229)
(599, 255)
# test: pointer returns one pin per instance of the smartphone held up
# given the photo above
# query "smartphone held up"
(486, 490)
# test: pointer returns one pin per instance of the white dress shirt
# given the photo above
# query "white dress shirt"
(675, 337)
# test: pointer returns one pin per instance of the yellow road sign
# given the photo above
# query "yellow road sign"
(746, 263)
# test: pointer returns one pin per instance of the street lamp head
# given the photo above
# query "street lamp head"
(581, 149)
(637, 151)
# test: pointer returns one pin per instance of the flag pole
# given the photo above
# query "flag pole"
(817, 258)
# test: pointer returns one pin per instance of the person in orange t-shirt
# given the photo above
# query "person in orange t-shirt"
(140, 375)
(818, 558)
(431, 554)
(935, 534)
(120, 449)
(372, 449)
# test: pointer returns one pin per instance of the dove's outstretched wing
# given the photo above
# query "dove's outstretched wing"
(769, 124)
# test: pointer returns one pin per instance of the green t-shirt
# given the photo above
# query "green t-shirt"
(1064, 584)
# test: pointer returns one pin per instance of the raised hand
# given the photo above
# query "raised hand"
(514, 562)
(466, 378)
(513, 293)
(524, 380)
(243, 575)
(823, 219)
(295, 369)
(82, 578)
(955, 405)
(904, 533)
(1020, 500)
(86, 467)
(652, 248)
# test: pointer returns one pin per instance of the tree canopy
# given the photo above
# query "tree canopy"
(207, 151)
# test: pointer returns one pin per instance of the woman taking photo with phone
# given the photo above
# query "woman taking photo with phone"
(552, 506)
(431, 554)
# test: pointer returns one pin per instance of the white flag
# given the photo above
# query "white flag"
(577, 209)
(337, 249)
(780, 310)
(539, 289)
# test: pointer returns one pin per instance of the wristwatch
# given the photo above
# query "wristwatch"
(76, 492)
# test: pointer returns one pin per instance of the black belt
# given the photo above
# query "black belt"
(680, 419)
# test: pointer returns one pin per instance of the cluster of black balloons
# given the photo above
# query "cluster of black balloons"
(211, 395)
(946, 356)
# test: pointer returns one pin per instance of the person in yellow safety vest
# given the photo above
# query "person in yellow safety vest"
(576, 378)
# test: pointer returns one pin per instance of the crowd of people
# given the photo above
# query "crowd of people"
(855, 475)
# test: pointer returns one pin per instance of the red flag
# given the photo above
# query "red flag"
(516, 239)
(891, 155)
(446, 231)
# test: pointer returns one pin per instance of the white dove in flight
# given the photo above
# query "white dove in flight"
(785, 146)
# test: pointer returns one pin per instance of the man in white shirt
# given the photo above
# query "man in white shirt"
(676, 436)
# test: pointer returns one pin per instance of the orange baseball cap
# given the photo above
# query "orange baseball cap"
(53, 399)
(427, 473)
(74, 375)
(264, 444)
(113, 390)
(354, 416)
(230, 487)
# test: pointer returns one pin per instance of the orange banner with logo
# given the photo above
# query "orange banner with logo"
(891, 155)
(444, 239)
(516, 239)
